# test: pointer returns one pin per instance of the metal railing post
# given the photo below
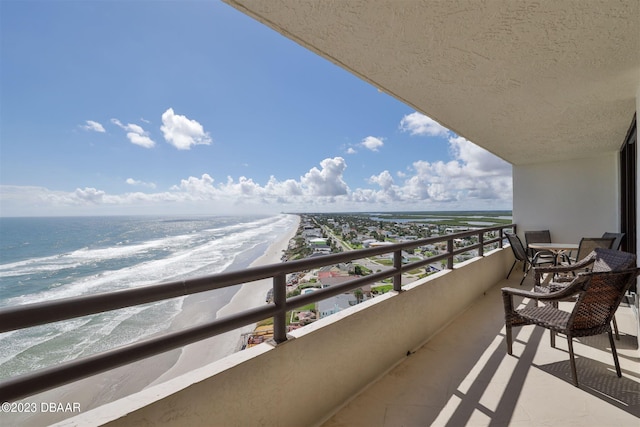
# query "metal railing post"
(280, 300)
(397, 264)
(481, 241)
(450, 251)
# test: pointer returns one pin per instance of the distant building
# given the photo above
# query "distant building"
(378, 244)
(329, 280)
(368, 242)
(335, 304)
(340, 270)
(459, 229)
(317, 241)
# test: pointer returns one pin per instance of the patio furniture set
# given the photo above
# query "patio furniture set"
(595, 280)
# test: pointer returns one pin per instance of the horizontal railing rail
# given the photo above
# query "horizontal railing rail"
(25, 316)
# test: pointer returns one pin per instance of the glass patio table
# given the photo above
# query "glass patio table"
(556, 248)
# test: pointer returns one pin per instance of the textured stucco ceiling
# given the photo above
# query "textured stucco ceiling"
(530, 81)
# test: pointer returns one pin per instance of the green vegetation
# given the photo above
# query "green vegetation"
(266, 322)
(291, 315)
(361, 270)
(383, 289)
(308, 307)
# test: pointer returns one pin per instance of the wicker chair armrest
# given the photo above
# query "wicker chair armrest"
(521, 293)
(578, 266)
(576, 286)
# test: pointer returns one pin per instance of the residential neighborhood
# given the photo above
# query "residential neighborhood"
(323, 234)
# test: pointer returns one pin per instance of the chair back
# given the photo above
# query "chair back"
(598, 302)
(588, 244)
(516, 246)
(536, 236)
(539, 236)
(612, 260)
(617, 239)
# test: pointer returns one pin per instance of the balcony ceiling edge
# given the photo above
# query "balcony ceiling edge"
(529, 82)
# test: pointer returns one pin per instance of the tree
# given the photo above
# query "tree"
(359, 295)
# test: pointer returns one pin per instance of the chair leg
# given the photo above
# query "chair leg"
(615, 328)
(574, 373)
(615, 354)
(510, 270)
(509, 340)
(551, 332)
(523, 277)
(526, 271)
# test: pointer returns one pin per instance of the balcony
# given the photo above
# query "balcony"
(463, 377)
(432, 354)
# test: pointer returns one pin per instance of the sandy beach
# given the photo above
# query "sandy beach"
(250, 295)
(115, 384)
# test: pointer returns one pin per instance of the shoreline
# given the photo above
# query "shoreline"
(249, 295)
(126, 380)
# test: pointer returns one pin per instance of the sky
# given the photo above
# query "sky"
(191, 107)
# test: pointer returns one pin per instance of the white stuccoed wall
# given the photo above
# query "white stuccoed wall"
(574, 199)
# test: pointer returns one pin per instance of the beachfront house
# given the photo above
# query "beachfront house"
(335, 305)
(338, 270)
(552, 87)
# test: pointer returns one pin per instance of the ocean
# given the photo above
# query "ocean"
(42, 259)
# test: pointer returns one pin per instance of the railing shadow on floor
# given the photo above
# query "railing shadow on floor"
(455, 395)
(485, 357)
(600, 380)
(504, 410)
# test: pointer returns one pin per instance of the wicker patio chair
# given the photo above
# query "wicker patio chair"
(598, 295)
(521, 255)
(599, 260)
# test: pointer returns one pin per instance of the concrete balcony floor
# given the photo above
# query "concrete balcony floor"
(464, 377)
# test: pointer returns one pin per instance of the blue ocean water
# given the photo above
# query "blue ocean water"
(42, 259)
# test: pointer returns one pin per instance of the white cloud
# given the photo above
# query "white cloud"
(90, 195)
(136, 134)
(372, 143)
(136, 182)
(288, 188)
(328, 181)
(419, 124)
(93, 126)
(479, 160)
(473, 174)
(351, 150)
(390, 192)
(473, 179)
(384, 179)
(182, 132)
(141, 140)
(197, 186)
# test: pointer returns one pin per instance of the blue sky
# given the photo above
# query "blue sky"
(179, 107)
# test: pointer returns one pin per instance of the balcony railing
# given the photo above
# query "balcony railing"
(47, 312)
